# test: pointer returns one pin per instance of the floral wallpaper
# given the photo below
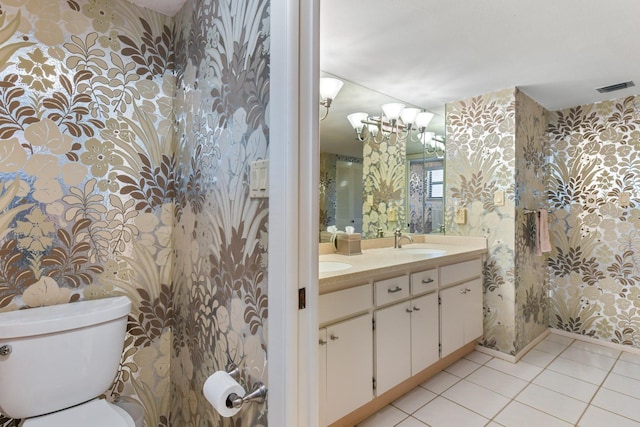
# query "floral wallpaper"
(87, 172)
(531, 177)
(384, 174)
(595, 263)
(494, 143)
(220, 234)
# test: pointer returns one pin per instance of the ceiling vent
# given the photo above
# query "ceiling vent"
(617, 86)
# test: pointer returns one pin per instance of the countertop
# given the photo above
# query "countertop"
(386, 261)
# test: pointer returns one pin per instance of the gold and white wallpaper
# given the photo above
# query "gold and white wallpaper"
(220, 234)
(384, 176)
(595, 264)
(87, 167)
(492, 141)
(123, 170)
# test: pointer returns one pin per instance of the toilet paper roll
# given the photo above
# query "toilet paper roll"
(217, 389)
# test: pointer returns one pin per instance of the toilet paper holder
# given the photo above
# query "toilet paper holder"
(258, 394)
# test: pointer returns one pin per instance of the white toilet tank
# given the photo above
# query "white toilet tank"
(61, 355)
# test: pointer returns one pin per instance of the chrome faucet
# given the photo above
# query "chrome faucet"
(398, 236)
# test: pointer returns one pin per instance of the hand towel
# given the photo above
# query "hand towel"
(543, 232)
(536, 250)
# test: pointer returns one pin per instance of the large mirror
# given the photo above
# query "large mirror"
(378, 184)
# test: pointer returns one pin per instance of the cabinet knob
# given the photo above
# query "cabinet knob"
(394, 290)
(333, 337)
(409, 310)
(416, 308)
(426, 281)
(322, 342)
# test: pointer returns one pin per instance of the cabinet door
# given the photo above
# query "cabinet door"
(452, 319)
(473, 324)
(393, 346)
(349, 366)
(322, 376)
(424, 332)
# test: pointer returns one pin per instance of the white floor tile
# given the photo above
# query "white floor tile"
(618, 403)
(596, 348)
(538, 358)
(627, 369)
(567, 385)
(578, 370)
(440, 382)
(552, 402)
(630, 357)
(550, 347)
(478, 399)
(623, 384)
(506, 385)
(560, 339)
(522, 370)
(414, 400)
(411, 422)
(386, 417)
(494, 424)
(589, 358)
(596, 417)
(462, 368)
(517, 414)
(441, 412)
(478, 357)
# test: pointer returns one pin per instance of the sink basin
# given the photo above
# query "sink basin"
(329, 266)
(423, 251)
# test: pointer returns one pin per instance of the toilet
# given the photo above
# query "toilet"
(55, 361)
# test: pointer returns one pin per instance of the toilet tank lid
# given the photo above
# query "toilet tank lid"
(62, 317)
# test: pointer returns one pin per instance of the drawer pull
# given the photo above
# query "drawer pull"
(427, 281)
(394, 290)
(334, 337)
(416, 308)
(409, 310)
(322, 342)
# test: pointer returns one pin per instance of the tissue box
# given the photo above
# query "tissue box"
(349, 244)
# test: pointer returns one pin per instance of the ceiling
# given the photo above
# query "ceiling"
(430, 52)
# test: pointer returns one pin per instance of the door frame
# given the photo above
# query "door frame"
(293, 213)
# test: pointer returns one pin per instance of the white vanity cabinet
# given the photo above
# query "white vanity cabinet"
(406, 334)
(349, 363)
(345, 352)
(460, 305)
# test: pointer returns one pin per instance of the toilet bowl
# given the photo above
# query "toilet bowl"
(56, 360)
(96, 413)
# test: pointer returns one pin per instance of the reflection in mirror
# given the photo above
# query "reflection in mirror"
(379, 184)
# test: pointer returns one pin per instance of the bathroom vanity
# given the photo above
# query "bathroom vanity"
(392, 318)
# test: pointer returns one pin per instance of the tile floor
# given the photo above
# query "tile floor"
(560, 382)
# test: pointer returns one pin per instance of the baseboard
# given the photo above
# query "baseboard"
(510, 357)
(597, 341)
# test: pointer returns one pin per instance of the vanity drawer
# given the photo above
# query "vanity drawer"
(424, 281)
(339, 304)
(460, 272)
(391, 290)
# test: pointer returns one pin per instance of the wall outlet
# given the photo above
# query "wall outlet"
(461, 216)
(623, 199)
(498, 198)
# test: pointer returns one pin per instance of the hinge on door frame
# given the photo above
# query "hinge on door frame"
(373, 323)
(302, 298)
(439, 300)
(373, 381)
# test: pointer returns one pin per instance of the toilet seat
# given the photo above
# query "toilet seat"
(95, 413)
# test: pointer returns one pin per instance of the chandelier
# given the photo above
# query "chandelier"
(408, 124)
